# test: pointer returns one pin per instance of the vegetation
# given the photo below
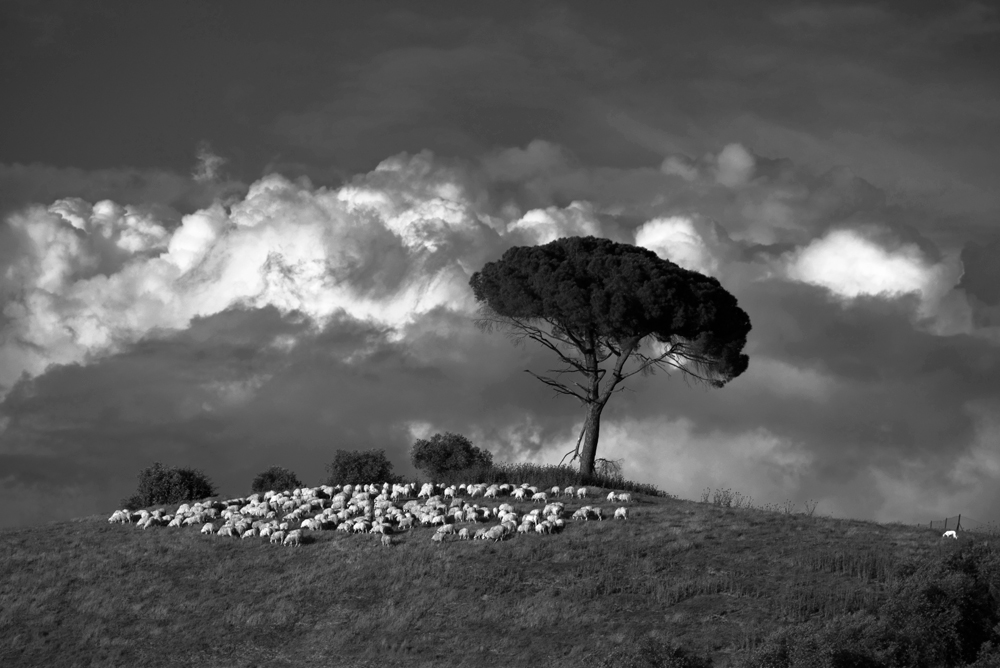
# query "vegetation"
(277, 478)
(680, 584)
(159, 484)
(360, 467)
(597, 304)
(449, 456)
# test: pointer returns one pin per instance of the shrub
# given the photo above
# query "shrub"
(161, 485)
(360, 467)
(945, 612)
(940, 614)
(275, 478)
(448, 453)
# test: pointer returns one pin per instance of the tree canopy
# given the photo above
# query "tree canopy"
(360, 467)
(159, 484)
(442, 454)
(594, 301)
(276, 478)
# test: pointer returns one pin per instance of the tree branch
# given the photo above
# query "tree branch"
(575, 451)
(559, 387)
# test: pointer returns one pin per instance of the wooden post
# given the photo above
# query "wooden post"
(958, 527)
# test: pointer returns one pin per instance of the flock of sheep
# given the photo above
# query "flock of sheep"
(385, 509)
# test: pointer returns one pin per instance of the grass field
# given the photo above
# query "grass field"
(713, 579)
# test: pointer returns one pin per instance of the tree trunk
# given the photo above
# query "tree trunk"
(592, 432)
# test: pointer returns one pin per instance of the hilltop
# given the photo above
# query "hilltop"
(714, 580)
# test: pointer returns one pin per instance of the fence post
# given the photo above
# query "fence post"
(946, 524)
(958, 527)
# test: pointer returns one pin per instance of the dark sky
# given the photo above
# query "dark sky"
(237, 234)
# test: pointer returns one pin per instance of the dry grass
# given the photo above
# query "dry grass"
(713, 578)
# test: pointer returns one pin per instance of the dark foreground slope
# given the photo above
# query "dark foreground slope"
(714, 580)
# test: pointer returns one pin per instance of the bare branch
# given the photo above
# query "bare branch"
(575, 451)
(558, 387)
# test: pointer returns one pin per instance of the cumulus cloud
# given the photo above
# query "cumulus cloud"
(853, 262)
(386, 247)
(540, 226)
(695, 246)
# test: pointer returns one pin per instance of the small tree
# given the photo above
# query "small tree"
(447, 453)
(275, 478)
(161, 485)
(360, 466)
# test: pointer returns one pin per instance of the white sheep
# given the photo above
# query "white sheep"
(293, 538)
(581, 493)
(540, 496)
(463, 534)
(208, 528)
(950, 534)
(446, 528)
(438, 537)
(621, 513)
(386, 540)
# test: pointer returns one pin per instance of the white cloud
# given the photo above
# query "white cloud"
(849, 264)
(386, 247)
(540, 226)
(676, 239)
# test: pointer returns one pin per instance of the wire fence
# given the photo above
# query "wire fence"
(965, 523)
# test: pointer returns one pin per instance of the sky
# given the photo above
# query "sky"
(240, 234)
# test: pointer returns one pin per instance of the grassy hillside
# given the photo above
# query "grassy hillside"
(716, 580)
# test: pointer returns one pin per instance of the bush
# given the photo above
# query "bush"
(275, 478)
(941, 614)
(360, 467)
(161, 485)
(448, 453)
(944, 613)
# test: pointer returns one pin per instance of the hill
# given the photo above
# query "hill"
(717, 581)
